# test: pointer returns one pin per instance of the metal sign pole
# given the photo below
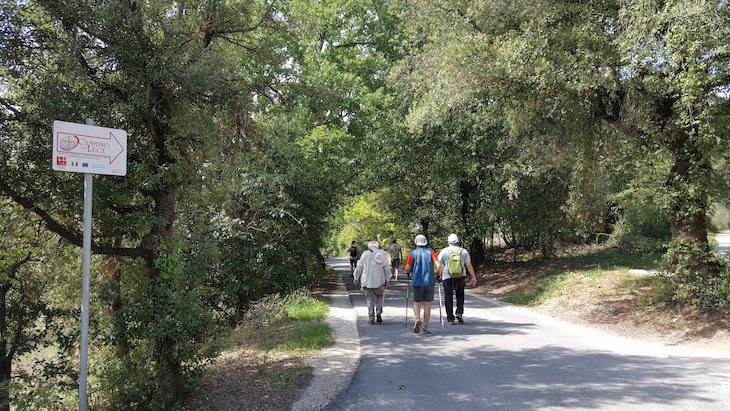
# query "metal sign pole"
(85, 285)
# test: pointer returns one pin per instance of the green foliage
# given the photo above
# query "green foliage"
(550, 284)
(720, 219)
(698, 277)
(293, 320)
(363, 218)
(617, 259)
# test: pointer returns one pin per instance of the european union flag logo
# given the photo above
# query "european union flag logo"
(84, 164)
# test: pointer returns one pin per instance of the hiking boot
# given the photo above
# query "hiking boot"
(417, 327)
(371, 321)
(425, 330)
(379, 319)
(451, 322)
(459, 319)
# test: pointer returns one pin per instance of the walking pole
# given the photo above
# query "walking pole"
(441, 318)
(408, 290)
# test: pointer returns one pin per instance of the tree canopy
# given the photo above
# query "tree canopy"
(262, 132)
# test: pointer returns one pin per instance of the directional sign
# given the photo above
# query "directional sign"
(80, 148)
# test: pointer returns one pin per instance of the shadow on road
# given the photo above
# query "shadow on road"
(488, 363)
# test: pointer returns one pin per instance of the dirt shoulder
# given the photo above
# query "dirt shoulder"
(610, 299)
(255, 370)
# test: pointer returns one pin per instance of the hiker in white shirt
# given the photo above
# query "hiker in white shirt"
(454, 282)
(373, 276)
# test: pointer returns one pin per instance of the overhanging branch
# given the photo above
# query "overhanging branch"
(67, 234)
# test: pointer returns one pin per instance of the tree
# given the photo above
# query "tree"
(163, 71)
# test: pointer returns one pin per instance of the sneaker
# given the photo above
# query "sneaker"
(459, 319)
(379, 319)
(451, 322)
(417, 327)
(425, 330)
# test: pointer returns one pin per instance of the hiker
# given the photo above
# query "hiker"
(372, 274)
(421, 265)
(396, 254)
(454, 262)
(353, 256)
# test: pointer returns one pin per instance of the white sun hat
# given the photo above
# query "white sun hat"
(453, 239)
(421, 240)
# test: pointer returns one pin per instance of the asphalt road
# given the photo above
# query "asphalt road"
(507, 357)
(723, 243)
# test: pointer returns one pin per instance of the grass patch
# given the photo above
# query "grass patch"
(300, 307)
(556, 276)
(539, 289)
(614, 259)
(292, 323)
(305, 337)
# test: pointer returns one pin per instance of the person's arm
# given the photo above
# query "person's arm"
(358, 270)
(356, 275)
(436, 262)
(409, 264)
(472, 273)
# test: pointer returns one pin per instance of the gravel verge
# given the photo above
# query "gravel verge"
(334, 367)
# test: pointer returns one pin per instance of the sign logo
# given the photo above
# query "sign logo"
(61, 160)
(68, 142)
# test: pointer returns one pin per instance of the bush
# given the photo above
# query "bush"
(699, 277)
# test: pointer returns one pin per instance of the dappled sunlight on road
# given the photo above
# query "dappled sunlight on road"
(502, 358)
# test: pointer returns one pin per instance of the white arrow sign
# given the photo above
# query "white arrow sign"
(81, 148)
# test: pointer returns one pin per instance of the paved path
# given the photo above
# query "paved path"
(507, 357)
(723, 243)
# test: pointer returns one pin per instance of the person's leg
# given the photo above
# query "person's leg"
(379, 296)
(417, 310)
(459, 287)
(417, 313)
(371, 299)
(449, 298)
(426, 312)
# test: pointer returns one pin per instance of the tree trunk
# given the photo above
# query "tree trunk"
(5, 375)
(475, 244)
(424, 227)
(165, 347)
(689, 201)
(113, 273)
(5, 359)
(172, 380)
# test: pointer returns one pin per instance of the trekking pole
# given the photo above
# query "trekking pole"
(441, 318)
(408, 290)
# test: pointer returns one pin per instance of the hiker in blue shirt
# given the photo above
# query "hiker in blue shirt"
(421, 265)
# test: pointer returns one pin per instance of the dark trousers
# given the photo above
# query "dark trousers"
(451, 286)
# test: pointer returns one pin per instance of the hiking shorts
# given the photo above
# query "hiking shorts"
(423, 294)
(395, 262)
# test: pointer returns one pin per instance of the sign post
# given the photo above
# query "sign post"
(90, 150)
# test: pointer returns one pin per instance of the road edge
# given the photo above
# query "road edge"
(334, 367)
(621, 344)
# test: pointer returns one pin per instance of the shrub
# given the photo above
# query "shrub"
(699, 277)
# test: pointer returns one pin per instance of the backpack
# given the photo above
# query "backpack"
(381, 260)
(454, 264)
